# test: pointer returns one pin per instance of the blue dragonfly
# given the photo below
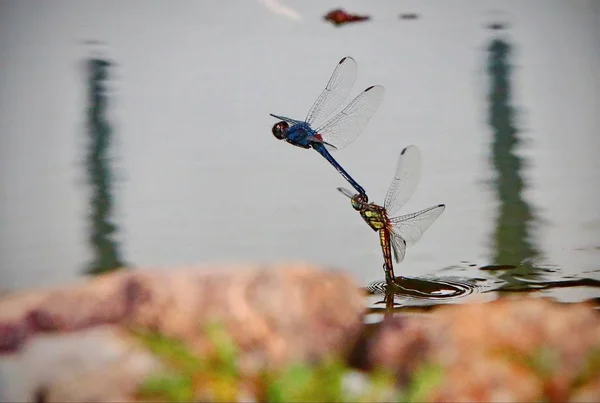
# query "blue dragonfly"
(341, 129)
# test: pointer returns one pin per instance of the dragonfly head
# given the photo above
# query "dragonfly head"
(280, 129)
(359, 200)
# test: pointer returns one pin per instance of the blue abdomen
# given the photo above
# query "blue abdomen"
(320, 148)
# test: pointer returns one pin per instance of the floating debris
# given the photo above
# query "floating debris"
(409, 16)
(339, 17)
(498, 267)
(497, 20)
(497, 26)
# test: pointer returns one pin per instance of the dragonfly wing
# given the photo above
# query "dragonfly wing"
(289, 120)
(406, 179)
(337, 90)
(398, 246)
(345, 126)
(412, 226)
(349, 194)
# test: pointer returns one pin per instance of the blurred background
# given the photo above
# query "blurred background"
(138, 133)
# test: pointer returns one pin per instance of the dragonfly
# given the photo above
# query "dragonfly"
(397, 232)
(342, 128)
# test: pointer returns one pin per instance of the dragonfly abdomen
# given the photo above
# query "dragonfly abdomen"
(384, 240)
(320, 148)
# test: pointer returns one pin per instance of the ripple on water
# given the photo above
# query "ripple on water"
(433, 289)
(460, 281)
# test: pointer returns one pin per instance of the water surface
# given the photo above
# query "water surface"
(506, 121)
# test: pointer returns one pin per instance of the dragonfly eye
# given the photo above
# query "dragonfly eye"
(280, 129)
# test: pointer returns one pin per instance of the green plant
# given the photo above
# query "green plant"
(425, 379)
(217, 377)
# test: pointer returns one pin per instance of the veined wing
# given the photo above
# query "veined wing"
(410, 227)
(337, 90)
(398, 247)
(406, 179)
(286, 119)
(345, 126)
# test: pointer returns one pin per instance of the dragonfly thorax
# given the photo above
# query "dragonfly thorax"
(375, 216)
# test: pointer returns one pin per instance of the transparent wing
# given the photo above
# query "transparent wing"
(337, 90)
(406, 179)
(411, 227)
(398, 246)
(345, 126)
(286, 119)
(349, 194)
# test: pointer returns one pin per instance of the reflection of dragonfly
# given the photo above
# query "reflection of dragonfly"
(342, 128)
(402, 230)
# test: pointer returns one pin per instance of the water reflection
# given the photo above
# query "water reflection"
(425, 288)
(427, 291)
(107, 256)
(513, 250)
(515, 264)
(454, 283)
(512, 235)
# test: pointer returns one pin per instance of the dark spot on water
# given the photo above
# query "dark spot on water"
(528, 286)
(370, 88)
(496, 26)
(498, 267)
(472, 265)
(409, 16)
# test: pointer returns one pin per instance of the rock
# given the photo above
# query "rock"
(77, 343)
(98, 364)
(506, 350)
(274, 315)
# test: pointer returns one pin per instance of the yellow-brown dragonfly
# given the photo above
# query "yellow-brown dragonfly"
(397, 232)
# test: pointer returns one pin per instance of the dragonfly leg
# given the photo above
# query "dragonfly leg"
(389, 274)
(389, 303)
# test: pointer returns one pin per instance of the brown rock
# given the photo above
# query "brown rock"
(104, 299)
(507, 350)
(274, 315)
